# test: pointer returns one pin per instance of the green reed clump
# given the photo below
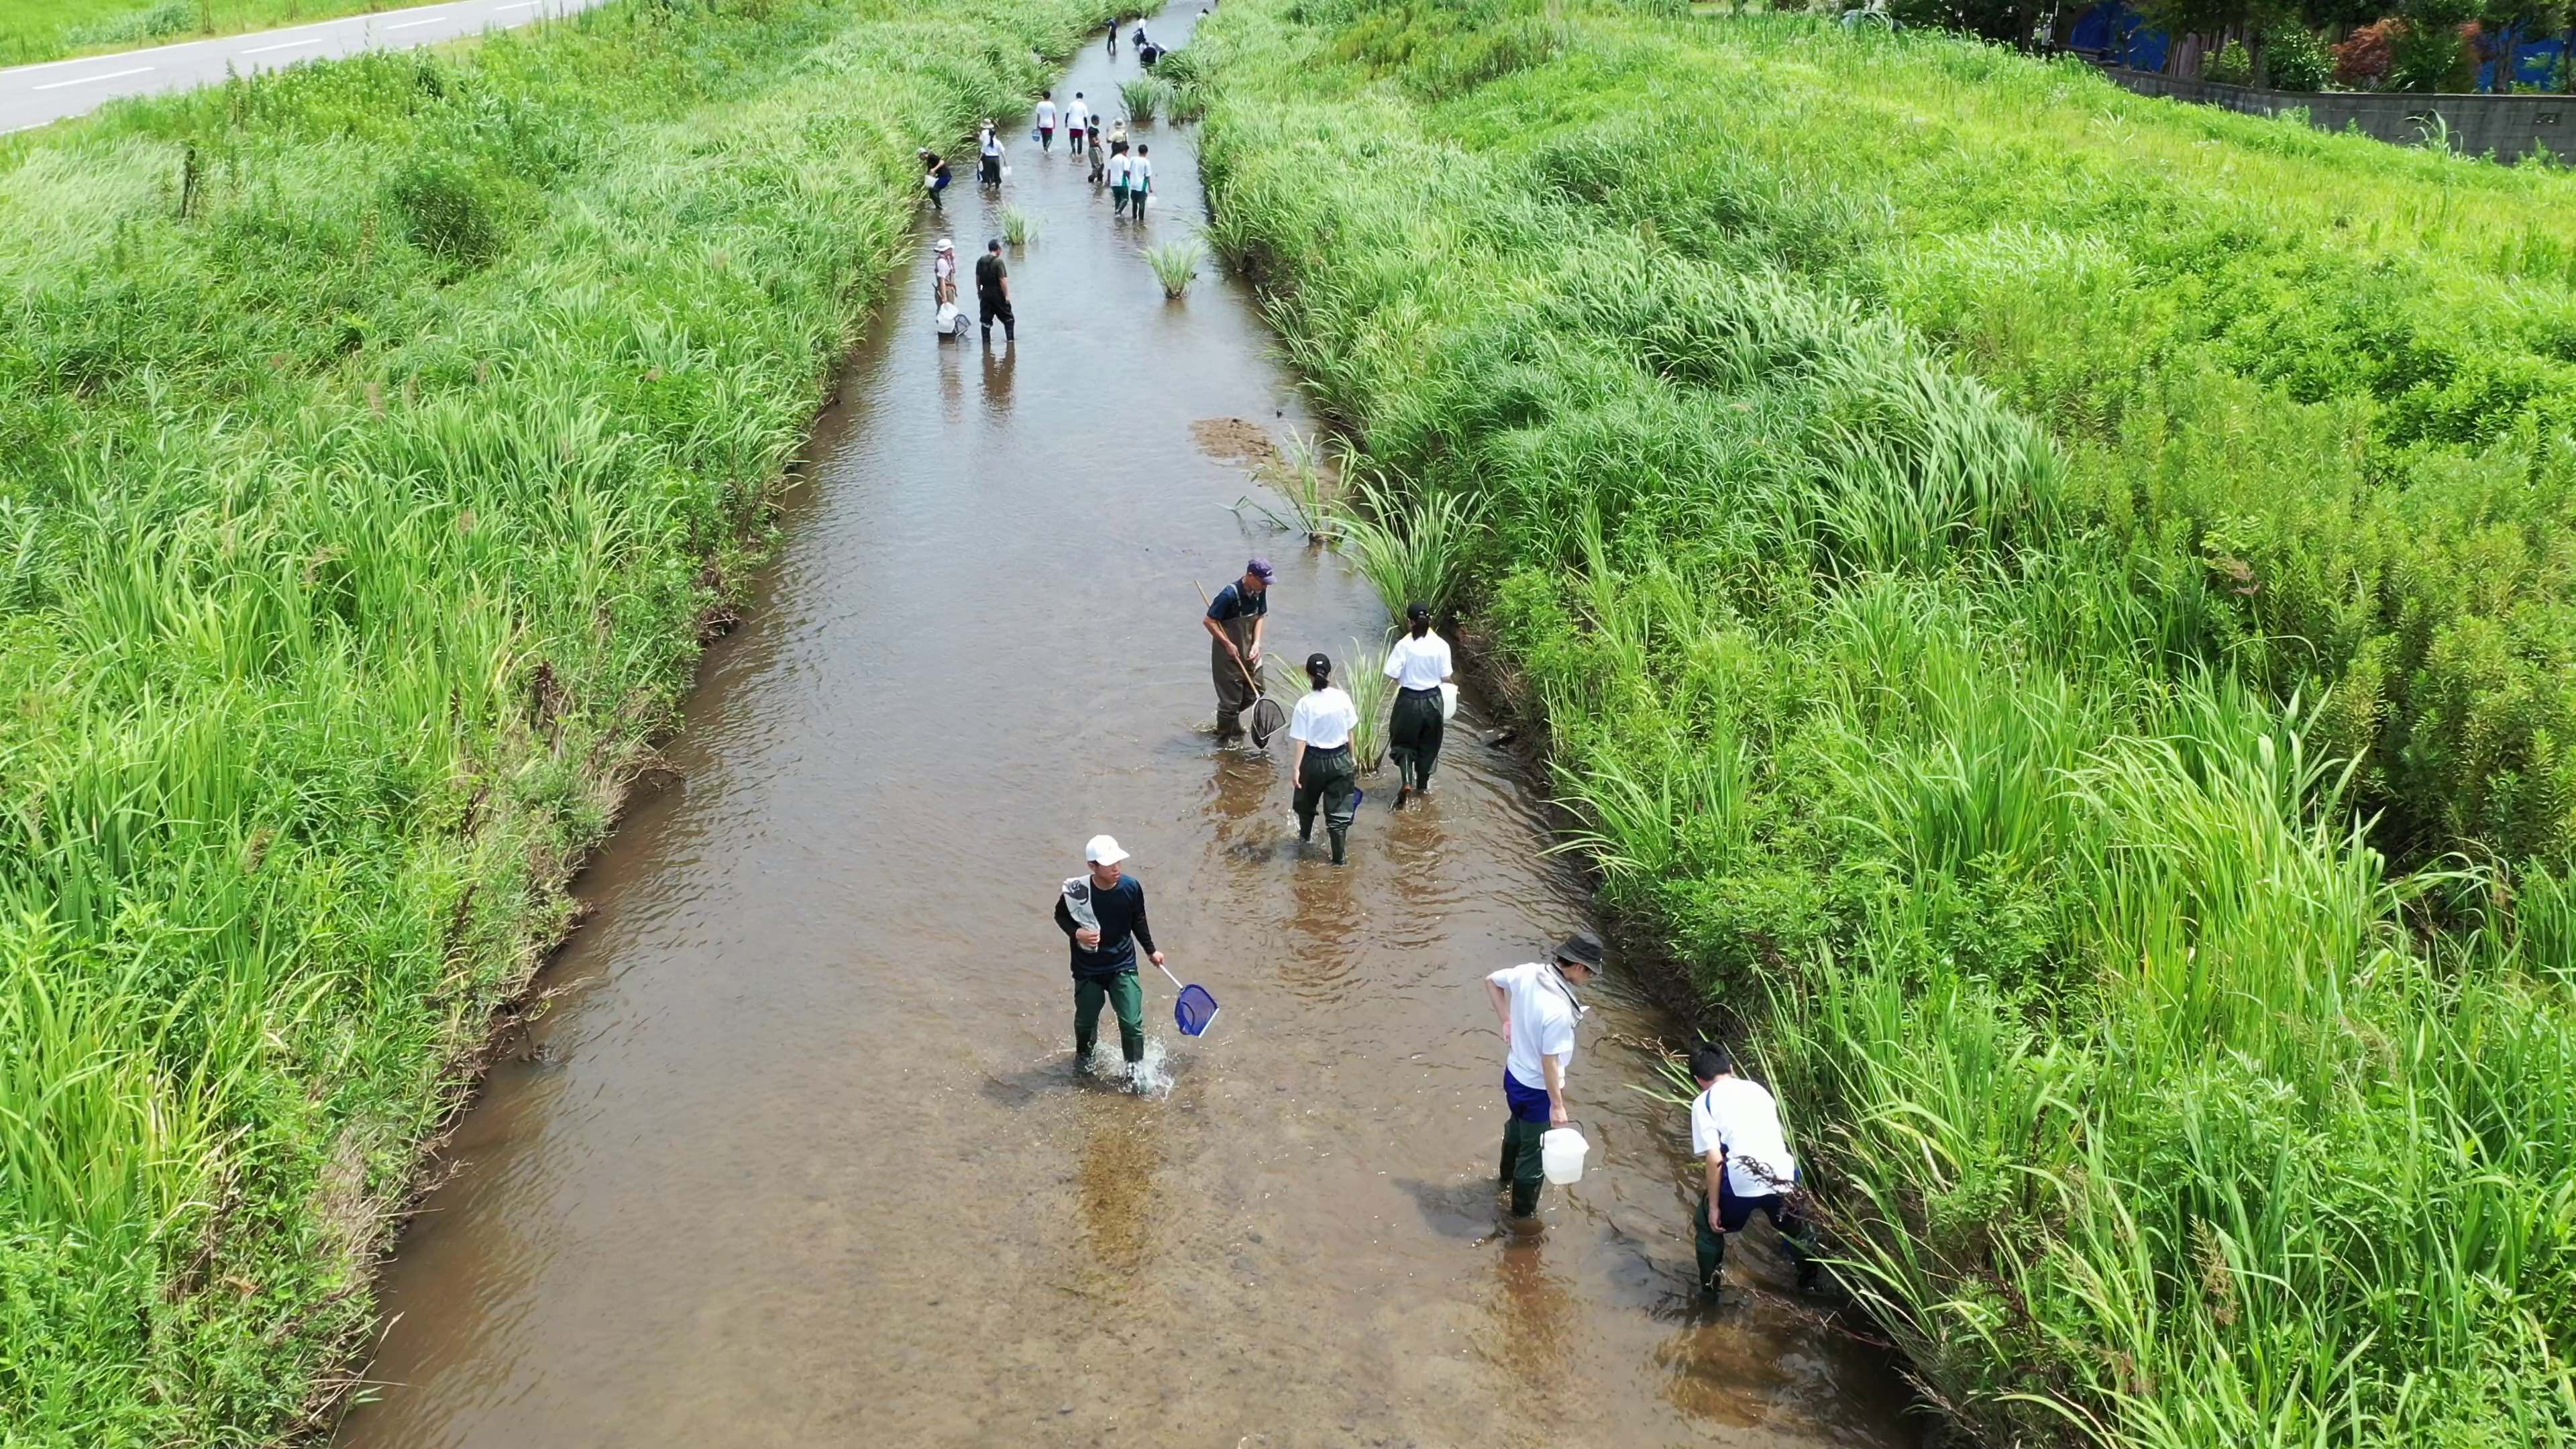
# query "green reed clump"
(360, 517)
(1018, 226)
(1176, 263)
(1366, 683)
(1924, 590)
(1413, 549)
(1145, 97)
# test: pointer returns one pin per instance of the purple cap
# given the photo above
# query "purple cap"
(1260, 566)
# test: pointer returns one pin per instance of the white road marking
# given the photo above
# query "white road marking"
(416, 24)
(283, 45)
(85, 80)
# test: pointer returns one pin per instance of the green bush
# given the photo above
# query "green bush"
(447, 212)
(2297, 60)
(2232, 66)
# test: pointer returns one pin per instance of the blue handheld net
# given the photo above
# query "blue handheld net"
(1193, 1010)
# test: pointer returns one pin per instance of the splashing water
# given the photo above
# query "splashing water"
(1151, 1077)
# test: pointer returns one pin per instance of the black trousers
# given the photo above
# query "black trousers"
(995, 305)
(1413, 734)
(1326, 778)
(1736, 1213)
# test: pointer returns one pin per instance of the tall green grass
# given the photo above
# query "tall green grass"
(380, 439)
(37, 30)
(2009, 690)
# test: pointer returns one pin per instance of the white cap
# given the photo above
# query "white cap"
(1103, 850)
(946, 245)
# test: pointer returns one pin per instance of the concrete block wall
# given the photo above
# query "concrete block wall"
(2511, 126)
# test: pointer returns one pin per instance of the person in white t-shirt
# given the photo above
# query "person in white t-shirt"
(1735, 1129)
(1419, 664)
(1140, 179)
(1118, 180)
(1320, 771)
(1046, 123)
(1077, 115)
(1538, 1007)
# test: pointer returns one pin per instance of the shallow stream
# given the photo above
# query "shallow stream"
(799, 1158)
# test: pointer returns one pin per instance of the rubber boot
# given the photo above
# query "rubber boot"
(1339, 838)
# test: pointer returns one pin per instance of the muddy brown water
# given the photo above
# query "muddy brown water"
(800, 1157)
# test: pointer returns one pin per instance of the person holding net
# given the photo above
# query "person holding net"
(1234, 621)
(1102, 914)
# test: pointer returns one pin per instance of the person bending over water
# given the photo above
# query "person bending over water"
(1538, 1007)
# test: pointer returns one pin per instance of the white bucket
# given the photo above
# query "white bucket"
(1560, 1154)
(1448, 701)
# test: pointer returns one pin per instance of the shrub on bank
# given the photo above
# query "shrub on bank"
(378, 437)
(1954, 570)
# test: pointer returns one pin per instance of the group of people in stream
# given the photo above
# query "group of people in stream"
(1748, 1170)
(1124, 168)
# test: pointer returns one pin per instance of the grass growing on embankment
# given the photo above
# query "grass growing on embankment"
(34, 30)
(377, 434)
(1940, 724)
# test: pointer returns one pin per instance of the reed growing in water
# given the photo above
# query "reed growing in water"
(1176, 263)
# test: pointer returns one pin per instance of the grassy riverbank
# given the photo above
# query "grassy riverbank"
(381, 436)
(1959, 519)
(34, 30)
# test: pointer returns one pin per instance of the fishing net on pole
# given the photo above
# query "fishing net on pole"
(1194, 1010)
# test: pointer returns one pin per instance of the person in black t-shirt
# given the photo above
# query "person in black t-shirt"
(993, 292)
(1104, 934)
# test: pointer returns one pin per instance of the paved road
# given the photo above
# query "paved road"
(31, 95)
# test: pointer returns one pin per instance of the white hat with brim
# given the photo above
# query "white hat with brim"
(946, 245)
(1103, 850)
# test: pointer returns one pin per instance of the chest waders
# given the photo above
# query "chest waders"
(1234, 692)
(1327, 778)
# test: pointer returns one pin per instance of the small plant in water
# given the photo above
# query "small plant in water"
(1361, 674)
(1176, 263)
(1018, 227)
(1145, 97)
(1298, 476)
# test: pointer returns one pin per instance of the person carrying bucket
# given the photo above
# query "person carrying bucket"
(1735, 1128)
(1234, 621)
(1320, 771)
(1104, 954)
(1538, 1008)
(1419, 664)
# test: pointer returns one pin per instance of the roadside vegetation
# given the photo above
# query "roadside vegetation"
(2056, 609)
(34, 30)
(381, 439)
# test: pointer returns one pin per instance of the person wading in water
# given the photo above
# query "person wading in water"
(1319, 767)
(1419, 664)
(993, 293)
(1104, 955)
(1234, 621)
(1538, 1008)
(1735, 1127)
